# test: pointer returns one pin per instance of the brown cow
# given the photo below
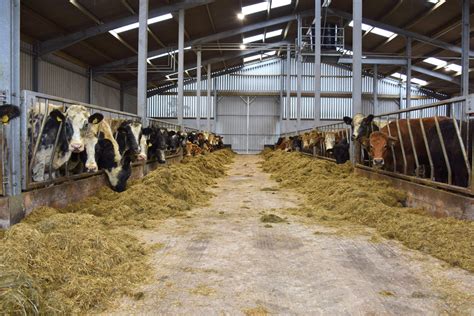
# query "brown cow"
(381, 141)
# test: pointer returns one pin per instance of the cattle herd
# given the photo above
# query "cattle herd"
(76, 141)
(412, 147)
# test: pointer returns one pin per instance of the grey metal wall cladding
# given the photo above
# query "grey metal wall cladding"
(165, 106)
(130, 103)
(263, 122)
(60, 82)
(105, 96)
(26, 71)
(331, 108)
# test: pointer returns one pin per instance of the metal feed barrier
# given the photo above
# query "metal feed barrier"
(43, 104)
(458, 110)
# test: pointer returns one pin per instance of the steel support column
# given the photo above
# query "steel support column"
(408, 82)
(465, 47)
(299, 70)
(142, 56)
(198, 89)
(10, 87)
(209, 99)
(288, 87)
(317, 62)
(356, 67)
(180, 101)
(375, 88)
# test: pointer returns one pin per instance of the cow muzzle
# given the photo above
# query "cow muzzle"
(378, 162)
(76, 147)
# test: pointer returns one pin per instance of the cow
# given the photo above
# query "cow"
(71, 128)
(157, 142)
(341, 151)
(102, 144)
(457, 163)
(381, 141)
(130, 138)
(363, 126)
(8, 112)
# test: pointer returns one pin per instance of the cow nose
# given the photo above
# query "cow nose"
(76, 146)
(378, 161)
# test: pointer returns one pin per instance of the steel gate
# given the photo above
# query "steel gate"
(248, 123)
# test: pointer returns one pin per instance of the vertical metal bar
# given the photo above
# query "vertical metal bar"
(375, 88)
(282, 105)
(461, 144)
(288, 87)
(443, 148)
(402, 146)
(413, 147)
(10, 83)
(408, 83)
(427, 148)
(214, 107)
(198, 88)
(356, 68)
(394, 156)
(317, 62)
(180, 100)
(209, 100)
(299, 70)
(142, 56)
(248, 123)
(465, 47)
(35, 73)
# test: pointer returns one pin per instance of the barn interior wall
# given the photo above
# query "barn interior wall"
(62, 78)
(265, 78)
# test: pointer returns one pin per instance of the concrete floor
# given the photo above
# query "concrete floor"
(222, 260)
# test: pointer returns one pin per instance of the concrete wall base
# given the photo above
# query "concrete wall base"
(439, 203)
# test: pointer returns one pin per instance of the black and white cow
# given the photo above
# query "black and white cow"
(157, 142)
(130, 138)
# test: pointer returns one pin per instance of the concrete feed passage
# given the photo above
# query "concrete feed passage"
(222, 259)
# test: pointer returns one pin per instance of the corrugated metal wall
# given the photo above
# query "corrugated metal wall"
(265, 77)
(61, 78)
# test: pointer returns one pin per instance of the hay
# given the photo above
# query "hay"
(81, 258)
(334, 195)
(271, 218)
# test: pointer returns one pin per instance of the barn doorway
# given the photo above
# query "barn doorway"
(248, 123)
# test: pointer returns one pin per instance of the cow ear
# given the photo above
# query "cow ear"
(57, 116)
(96, 118)
(347, 120)
(369, 118)
(8, 112)
(146, 131)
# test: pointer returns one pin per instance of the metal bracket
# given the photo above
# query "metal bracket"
(470, 104)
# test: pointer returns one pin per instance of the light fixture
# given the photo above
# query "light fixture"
(135, 25)
(262, 6)
(242, 46)
(419, 81)
(376, 30)
(280, 3)
(435, 61)
(454, 67)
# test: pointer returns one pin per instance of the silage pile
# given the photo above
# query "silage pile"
(335, 193)
(81, 258)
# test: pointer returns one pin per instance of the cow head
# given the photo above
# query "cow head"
(128, 137)
(362, 127)
(341, 151)
(124, 173)
(174, 140)
(160, 143)
(78, 126)
(379, 145)
(8, 112)
(329, 141)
